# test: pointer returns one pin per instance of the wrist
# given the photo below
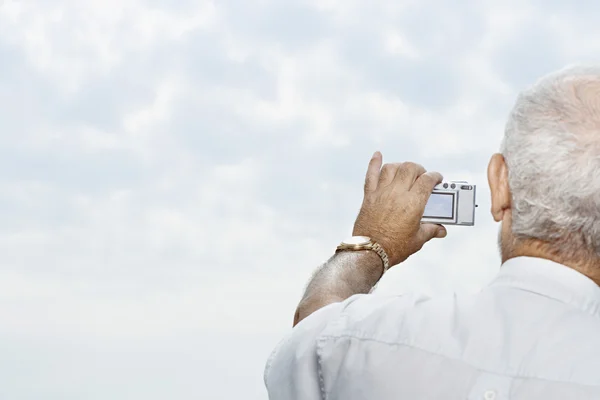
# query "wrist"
(363, 269)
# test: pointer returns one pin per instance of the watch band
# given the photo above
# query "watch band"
(381, 252)
(371, 245)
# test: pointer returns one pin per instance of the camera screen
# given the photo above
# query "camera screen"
(440, 205)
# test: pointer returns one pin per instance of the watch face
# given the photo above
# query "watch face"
(357, 240)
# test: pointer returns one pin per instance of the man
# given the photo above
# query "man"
(533, 333)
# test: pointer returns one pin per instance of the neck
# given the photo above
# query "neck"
(587, 264)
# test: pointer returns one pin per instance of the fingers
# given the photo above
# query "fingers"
(407, 174)
(388, 172)
(430, 231)
(402, 175)
(424, 186)
(422, 189)
(373, 172)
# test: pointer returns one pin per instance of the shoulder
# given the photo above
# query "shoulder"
(388, 318)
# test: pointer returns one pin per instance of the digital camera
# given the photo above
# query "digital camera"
(451, 203)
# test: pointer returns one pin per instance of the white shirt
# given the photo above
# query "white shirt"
(533, 333)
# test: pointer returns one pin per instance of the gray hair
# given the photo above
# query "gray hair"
(552, 150)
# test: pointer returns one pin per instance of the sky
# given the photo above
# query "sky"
(173, 172)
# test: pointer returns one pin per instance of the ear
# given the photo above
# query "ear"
(498, 180)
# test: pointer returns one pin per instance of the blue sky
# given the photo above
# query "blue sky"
(174, 171)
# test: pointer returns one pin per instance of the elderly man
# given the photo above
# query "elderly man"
(533, 333)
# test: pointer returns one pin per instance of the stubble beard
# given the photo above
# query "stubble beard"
(506, 243)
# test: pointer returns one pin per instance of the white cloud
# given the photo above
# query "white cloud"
(173, 172)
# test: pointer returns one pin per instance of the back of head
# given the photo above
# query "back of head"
(552, 150)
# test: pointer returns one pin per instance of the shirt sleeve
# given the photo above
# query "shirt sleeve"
(291, 372)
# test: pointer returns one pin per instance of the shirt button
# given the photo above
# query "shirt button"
(489, 395)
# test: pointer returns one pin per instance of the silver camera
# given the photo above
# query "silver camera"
(451, 203)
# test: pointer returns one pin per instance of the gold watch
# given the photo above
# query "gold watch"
(356, 243)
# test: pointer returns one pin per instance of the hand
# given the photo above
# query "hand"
(393, 205)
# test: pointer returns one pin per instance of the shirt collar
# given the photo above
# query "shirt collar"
(550, 279)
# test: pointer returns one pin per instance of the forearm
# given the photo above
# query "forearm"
(345, 274)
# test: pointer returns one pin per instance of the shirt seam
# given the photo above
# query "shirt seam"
(478, 368)
(320, 345)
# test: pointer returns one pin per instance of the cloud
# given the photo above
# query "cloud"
(174, 172)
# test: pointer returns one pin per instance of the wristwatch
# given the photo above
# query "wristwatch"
(356, 243)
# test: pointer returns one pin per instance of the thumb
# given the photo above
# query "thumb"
(430, 231)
